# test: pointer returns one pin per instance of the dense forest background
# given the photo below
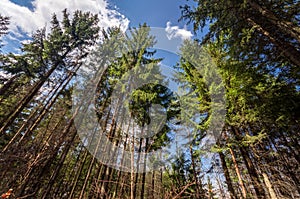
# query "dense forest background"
(255, 46)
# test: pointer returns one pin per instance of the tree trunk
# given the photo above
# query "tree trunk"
(25, 101)
(77, 175)
(227, 176)
(144, 174)
(250, 167)
(284, 26)
(238, 173)
(58, 166)
(50, 102)
(137, 174)
(269, 186)
(289, 51)
(132, 185)
(199, 188)
(6, 86)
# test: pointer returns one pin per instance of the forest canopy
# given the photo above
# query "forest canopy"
(254, 47)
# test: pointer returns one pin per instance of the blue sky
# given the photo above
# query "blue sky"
(26, 3)
(153, 12)
(30, 15)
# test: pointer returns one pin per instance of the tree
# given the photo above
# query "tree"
(4, 22)
(136, 76)
(264, 33)
(51, 54)
(247, 125)
(256, 150)
(45, 69)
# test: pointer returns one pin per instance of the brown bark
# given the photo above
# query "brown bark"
(250, 167)
(58, 166)
(227, 176)
(153, 184)
(269, 186)
(289, 51)
(199, 188)
(137, 174)
(50, 102)
(6, 86)
(238, 173)
(76, 178)
(144, 174)
(284, 26)
(132, 185)
(24, 102)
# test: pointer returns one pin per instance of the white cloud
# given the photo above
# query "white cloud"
(29, 21)
(176, 32)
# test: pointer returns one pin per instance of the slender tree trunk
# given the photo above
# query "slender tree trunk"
(58, 166)
(269, 186)
(284, 26)
(199, 189)
(289, 51)
(137, 174)
(76, 178)
(144, 174)
(250, 167)
(25, 101)
(227, 176)
(153, 184)
(132, 185)
(6, 86)
(238, 173)
(43, 112)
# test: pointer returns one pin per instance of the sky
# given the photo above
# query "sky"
(26, 16)
(154, 12)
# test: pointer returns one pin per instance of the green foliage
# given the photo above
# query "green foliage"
(257, 32)
(252, 140)
(46, 50)
(44, 156)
